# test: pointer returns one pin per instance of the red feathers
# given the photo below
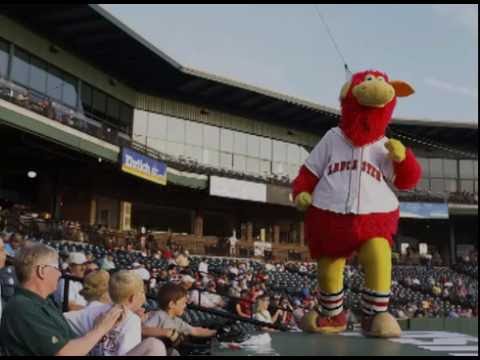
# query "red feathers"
(305, 181)
(339, 235)
(407, 173)
(363, 124)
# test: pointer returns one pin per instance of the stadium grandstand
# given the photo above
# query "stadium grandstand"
(114, 150)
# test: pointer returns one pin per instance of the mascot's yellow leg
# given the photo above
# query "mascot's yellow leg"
(375, 256)
(330, 274)
(376, 259)
(330, 280)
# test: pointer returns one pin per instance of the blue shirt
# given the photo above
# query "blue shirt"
(9, 250)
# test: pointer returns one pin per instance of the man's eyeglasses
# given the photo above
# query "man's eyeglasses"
(52, 266)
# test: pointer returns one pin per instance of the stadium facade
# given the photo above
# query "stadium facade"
(120, 134)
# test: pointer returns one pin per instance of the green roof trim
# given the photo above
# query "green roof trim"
(187, 179)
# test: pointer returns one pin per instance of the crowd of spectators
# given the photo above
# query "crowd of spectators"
(278, 293)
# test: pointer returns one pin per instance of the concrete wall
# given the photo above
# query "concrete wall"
(464, 326)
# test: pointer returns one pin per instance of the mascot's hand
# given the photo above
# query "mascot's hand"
(396, 150)
(303, 201)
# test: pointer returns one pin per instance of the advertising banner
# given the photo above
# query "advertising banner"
(142, 166)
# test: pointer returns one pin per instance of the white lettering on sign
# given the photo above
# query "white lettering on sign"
(137, 164)
(141, 165)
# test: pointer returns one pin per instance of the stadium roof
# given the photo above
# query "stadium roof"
(93, 34)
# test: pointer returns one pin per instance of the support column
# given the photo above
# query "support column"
(93, 211)
(57, 197)
(270, 234)
(301, 233)
(453, 254)
(198, 224)
(243, 232)
(125, 221)
(276, 234)
(249, 232)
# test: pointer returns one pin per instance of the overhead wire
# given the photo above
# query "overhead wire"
(410, 137)
(348, 73)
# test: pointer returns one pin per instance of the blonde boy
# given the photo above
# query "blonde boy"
(126, 289)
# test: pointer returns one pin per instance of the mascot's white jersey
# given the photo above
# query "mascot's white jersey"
(352, 179)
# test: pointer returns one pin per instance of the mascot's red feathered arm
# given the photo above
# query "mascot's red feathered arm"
(304, 182)
(407, 172)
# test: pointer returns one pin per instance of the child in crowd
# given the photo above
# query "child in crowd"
(172, 300)
(126, 290)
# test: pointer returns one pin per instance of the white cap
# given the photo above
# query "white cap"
(188, 279)
(77, 258)
(136, 265)
(143, 273)
(182, 261)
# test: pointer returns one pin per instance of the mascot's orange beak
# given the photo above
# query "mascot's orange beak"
(376, 92)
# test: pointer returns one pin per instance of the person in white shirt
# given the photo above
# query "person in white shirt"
(107, 263)
(243, 267)
(77, 264)
(203, 267)
(233, 270)
(269, 267)
(235, 289)
(141, 271)
(207, 299)
(262, 313)
(126, 289)
(233, 244)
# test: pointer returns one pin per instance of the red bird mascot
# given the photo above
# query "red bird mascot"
(349, 206)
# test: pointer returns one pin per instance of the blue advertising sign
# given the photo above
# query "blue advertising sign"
(142, 166)
(421, 210)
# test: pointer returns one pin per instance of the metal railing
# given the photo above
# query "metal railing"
(235, 299)
(51, 108)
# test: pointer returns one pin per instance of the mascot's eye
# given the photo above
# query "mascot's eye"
(369, 78)
(380, 78)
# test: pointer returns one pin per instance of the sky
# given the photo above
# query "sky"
(286, 48)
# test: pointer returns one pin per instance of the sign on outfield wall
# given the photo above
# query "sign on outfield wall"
(238, 189)
(421, 210)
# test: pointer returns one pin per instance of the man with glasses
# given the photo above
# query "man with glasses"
(31, 324)
(77, 264)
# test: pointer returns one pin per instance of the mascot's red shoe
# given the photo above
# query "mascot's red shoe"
(318, 323)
